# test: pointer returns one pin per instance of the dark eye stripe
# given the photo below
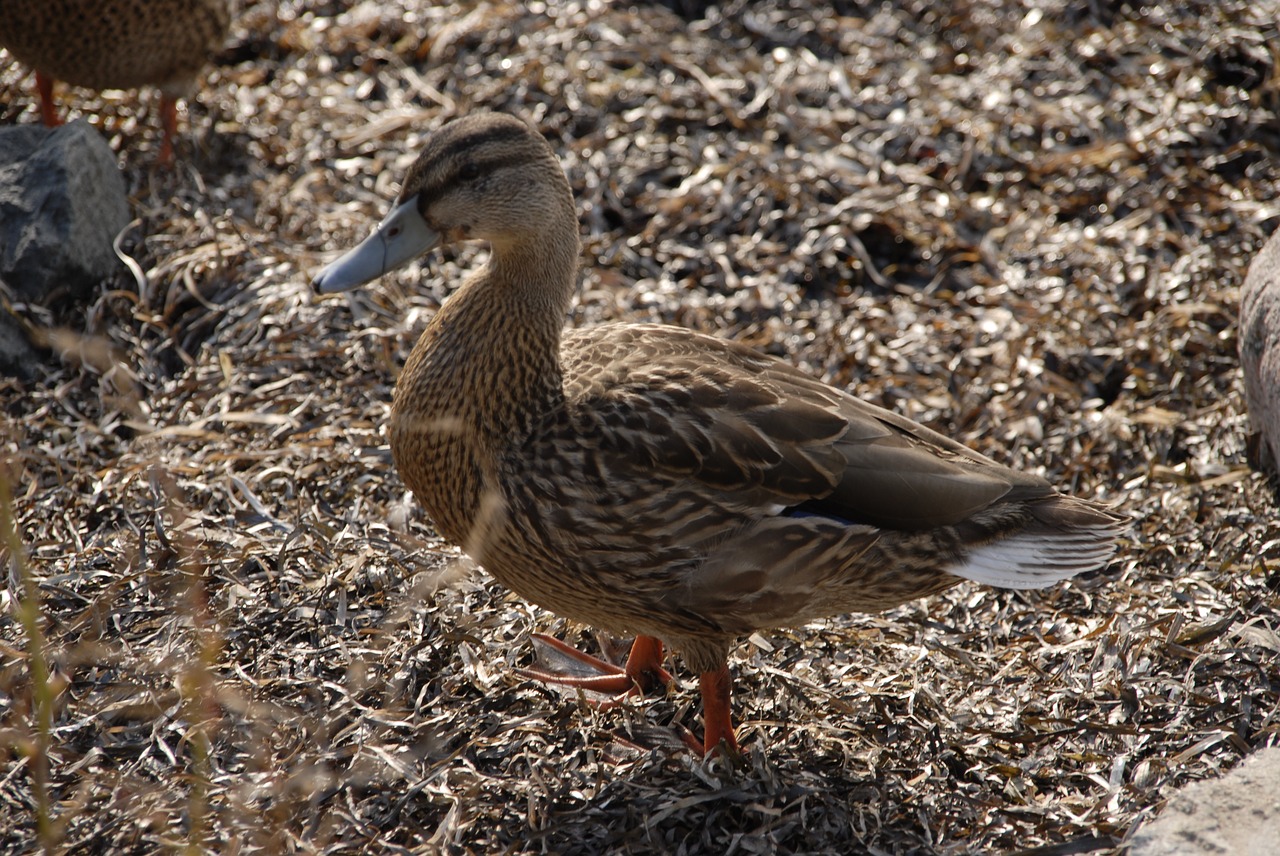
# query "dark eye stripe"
(488, 166)
(488, 145)
(479, 138)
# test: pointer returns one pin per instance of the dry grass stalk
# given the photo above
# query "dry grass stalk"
(33, 745)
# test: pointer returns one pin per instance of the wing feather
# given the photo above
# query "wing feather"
(731, 419)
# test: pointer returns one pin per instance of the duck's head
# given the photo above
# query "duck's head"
(489, 177)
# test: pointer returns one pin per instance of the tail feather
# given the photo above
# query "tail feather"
(1073, 537)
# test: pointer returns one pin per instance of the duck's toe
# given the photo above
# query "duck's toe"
(563, 665)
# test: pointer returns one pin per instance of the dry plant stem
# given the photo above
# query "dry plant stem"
(202, 712)
(37, 750)
(199, 694)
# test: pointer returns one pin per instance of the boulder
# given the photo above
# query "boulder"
(1260, 351)
(17, 356)
(62, 203)
(1236, 815)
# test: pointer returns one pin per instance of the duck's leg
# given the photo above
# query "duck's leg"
(169, 121)
(48, 109)
(717, 722)
(642, 672)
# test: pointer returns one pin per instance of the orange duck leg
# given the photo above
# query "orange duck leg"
(643, 671)
(168, 115)
(169, 120)
(717, 722)
(48, 109)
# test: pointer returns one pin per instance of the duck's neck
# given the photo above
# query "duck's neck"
(489, 362)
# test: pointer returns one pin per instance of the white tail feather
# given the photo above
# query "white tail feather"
(1037, 560)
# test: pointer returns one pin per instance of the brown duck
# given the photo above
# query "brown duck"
(655, 481)
(116, 44)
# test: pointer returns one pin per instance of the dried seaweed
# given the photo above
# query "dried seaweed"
(1023, 225)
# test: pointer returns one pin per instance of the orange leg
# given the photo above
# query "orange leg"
(716, 718)
(642, 672)
(48, 109)
(169, 120)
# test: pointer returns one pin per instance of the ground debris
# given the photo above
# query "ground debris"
(1024, 225)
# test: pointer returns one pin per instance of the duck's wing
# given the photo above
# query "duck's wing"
(735, 491)
(733, 421)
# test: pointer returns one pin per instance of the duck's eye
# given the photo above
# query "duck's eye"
(469, 171)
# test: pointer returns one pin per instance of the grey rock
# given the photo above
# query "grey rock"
(1236, 815)
(17, 356)
(62, 203)
(1260, 350)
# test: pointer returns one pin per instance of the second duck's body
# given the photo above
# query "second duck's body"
(115, 44)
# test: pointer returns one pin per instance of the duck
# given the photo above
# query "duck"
(116, 44)
(657, 482)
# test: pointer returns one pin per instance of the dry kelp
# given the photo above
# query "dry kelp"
(1023, 224)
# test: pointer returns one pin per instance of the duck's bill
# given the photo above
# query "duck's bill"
(400, 238)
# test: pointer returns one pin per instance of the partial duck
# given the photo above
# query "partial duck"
(116, 44)
(655, 481)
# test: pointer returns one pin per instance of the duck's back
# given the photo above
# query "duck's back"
(677, 401)
(115, 44)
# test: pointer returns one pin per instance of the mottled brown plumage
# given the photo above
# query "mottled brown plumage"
(116, 44)
(654, 481)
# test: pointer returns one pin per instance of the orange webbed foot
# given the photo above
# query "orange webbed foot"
(569, 667)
